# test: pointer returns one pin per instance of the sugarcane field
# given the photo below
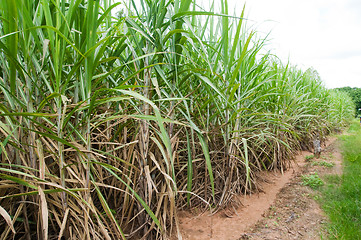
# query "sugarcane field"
(174, 119)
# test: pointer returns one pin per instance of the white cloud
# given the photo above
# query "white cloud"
(324, 34)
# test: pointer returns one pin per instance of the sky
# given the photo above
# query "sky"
(323, 34)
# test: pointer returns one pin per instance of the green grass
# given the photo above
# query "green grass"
(323, 164)
(309, 157)
(312, 180)
(341, 196)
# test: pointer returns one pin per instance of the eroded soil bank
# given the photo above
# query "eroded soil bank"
(285, 209)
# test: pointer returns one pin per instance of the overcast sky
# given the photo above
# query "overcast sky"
(323, 34)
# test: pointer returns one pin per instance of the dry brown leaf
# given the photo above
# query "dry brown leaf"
(41, 159)
(7, 218)
(63, 224)
(104, 231)
(44, 214)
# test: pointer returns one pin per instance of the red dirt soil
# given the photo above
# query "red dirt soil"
(284, 210)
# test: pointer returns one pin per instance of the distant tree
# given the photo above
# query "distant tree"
(355, 94)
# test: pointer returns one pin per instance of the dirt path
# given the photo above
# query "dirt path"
(285, 210)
